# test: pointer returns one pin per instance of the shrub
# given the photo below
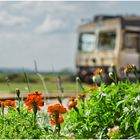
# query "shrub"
(110, 112)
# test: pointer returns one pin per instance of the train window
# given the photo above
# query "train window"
(107, 40)
(87, 42)
(131, 40)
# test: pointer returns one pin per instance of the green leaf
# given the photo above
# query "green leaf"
(137, 124)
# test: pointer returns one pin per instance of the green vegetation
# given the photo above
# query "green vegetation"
(33, 78)
(111, 112)
(14, 125)
(99, 112)
(8, 83)
(52, 87)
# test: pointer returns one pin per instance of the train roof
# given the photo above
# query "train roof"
(128, 20)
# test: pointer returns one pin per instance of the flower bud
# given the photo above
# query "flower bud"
(98, 72)
(112, 65)
(77, 78)
(110, 74)
(18, 92)
(94, 78)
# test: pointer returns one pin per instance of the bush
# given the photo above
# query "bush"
(110, 112)
(19, 126)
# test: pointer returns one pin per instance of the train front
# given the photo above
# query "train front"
(98, 46)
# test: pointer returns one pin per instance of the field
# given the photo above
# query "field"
(9, 83)
(51, 87)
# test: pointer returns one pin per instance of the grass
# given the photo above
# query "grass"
(9, 82)
(51, 87)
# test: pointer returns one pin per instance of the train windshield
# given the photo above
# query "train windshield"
(87, 42)
(107, 40)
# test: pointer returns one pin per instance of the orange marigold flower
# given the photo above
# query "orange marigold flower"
(129, 67)
(0, 103)
(9, 103)
(98, 72)
(60, 120)
(81, 96)
(34, 100)
(72, 99)
(56, 109)
(72, 104)
(93, 88)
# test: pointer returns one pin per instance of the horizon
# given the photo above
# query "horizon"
(19, 70)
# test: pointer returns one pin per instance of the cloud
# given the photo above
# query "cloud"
(44, 30)
(6, 19)
(51, 24)
(109, 4)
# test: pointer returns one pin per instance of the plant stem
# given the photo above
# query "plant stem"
(27, 81)
(127, 78)
(101, 78)
(42, 80)
(2, 107)
(18, 95)
(57, 126)
(35, 113)
(44, 86)
(61, 89)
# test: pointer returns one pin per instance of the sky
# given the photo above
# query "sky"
(47, 31)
